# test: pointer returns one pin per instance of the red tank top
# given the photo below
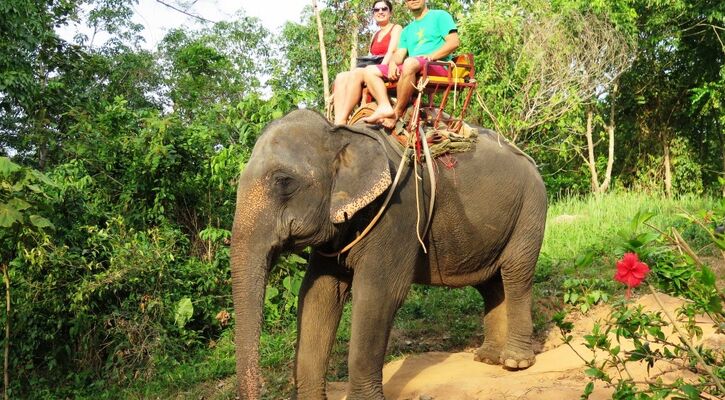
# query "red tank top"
(381, 47)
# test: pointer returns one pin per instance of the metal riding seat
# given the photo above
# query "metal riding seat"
(436, 92)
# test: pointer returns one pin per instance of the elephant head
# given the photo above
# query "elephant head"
(304, 179)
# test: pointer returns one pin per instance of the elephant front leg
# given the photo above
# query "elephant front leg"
(321, 300)
(376, 296)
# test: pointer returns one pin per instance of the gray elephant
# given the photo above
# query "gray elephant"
(309, 183)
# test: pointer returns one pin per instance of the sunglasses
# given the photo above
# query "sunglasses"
(381, 9)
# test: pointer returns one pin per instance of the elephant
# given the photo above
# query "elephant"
(309, 183)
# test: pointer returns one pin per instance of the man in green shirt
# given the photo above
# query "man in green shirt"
(432, 35)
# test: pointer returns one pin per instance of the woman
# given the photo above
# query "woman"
(348, 84)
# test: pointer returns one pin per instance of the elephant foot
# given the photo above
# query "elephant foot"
(517, 359)
(489, 354)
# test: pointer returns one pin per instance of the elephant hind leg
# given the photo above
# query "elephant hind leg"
(494, 320)
(517, 273)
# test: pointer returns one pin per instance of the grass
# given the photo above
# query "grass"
(576, 226)
(442, 319)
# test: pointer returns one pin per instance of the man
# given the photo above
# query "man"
(432, 35)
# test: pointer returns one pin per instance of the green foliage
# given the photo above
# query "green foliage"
(22, 196)
(584, 293)
(117, 252)
(678, 271)
(283, 288)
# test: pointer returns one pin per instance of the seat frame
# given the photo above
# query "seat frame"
(460, 77)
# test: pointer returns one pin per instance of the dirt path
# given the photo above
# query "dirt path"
(558, 372)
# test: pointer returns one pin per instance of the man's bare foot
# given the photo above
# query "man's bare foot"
(381, 113)
(390, 122)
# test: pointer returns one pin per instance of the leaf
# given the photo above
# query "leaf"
(43, 178)
(708, 277)
(647, 237)
(7, 167)
(9, 215)
(41, 222)
(691, 391)
(588, 390)
(640, 218)
(18, 204)
(184, 312)
(594, 372)
(294, 258)
(271, 293)
(585, 260)
(574, 297)
(296, 284)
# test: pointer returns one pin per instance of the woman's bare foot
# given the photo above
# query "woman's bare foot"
(380, 114)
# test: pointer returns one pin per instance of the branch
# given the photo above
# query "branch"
(687, 342)
(185, 12)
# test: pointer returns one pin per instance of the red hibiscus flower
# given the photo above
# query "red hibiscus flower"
(631, 271)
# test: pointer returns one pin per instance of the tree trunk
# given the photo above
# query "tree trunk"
(39, 125)
(722, 155)
(610, 133)
(353, 48)
(592, 163)
(668, 171)
(323, 52)
(6, 373)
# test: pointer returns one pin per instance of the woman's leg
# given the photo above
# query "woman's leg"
(353, 87)
(339, 96)
(374, 79)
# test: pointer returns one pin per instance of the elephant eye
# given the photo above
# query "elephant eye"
(284, 185)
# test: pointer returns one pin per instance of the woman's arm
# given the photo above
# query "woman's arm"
(394, 39)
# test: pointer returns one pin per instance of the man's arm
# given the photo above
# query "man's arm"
(397, 58)
(451, 44)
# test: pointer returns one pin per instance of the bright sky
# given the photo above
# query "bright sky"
(157, 18)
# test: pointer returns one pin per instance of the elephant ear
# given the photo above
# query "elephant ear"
(361, 175)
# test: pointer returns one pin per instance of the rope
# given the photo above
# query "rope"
(420, 136)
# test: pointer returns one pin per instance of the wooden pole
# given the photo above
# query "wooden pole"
(323, 53)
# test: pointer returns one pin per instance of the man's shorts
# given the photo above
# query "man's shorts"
(433, 70)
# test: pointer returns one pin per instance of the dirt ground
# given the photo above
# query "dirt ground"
(558, 372)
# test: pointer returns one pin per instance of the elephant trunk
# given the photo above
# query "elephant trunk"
(249, 280)
(250, 265)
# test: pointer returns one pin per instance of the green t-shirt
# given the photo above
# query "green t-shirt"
(426, 35)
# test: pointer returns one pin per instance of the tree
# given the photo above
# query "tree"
(535, 66)
(679, 51)
(19, 218)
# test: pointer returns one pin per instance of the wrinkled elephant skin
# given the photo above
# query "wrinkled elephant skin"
(308, 183)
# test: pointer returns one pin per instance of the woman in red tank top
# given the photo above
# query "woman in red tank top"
(348, 84)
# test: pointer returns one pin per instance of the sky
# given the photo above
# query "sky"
(157, 18)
